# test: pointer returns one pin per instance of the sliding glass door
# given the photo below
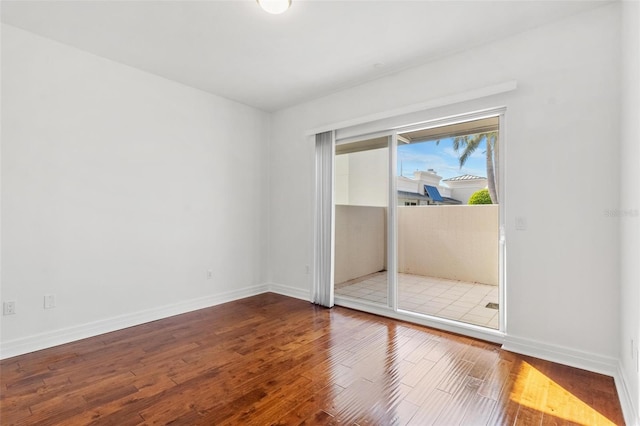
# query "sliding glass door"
(448, 222)
(361, 208)
(417, 220)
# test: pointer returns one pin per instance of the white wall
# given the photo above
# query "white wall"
(562, 271)
(365, 174)
(629, 218)
(120, 190)
(341, 179)
(361, 234)
(463, 191)
(407, 184)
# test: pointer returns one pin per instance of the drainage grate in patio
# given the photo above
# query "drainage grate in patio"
(492, 305)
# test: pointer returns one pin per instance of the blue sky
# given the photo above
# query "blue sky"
(442, 158)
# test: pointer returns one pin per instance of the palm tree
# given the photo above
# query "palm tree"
(469, 143)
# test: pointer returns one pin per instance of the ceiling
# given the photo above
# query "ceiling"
(236, 50)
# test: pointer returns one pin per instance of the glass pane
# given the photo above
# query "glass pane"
(448, 246)
(361, 194)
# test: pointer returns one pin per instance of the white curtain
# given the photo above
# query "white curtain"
(322, 293)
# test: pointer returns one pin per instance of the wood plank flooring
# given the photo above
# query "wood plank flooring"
(273, 360)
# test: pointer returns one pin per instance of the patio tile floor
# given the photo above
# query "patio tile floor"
(451, 299)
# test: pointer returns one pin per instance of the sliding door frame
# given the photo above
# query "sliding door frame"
(392, 225)
(392, 310)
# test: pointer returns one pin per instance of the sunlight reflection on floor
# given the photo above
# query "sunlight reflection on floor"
(535, 390)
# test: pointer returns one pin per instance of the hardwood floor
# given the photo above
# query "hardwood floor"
(270, 359)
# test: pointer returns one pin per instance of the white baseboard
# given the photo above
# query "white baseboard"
(294, 292)
(58, 337)
(629, 409)
(562, 355)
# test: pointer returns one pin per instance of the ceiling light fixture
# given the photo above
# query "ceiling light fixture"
(274, 6)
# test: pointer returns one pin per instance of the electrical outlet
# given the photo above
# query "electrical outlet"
(307, 269)
(9, 308)
(49, 301)
(209, 274)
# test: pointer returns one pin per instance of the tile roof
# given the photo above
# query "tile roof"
(464, 177)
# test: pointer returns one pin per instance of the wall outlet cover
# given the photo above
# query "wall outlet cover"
(9, 308)
(49, 301)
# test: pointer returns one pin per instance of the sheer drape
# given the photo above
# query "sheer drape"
(322, 293)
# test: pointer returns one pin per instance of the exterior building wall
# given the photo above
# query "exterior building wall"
(360, 241)
(464, 193)
(453, 242)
